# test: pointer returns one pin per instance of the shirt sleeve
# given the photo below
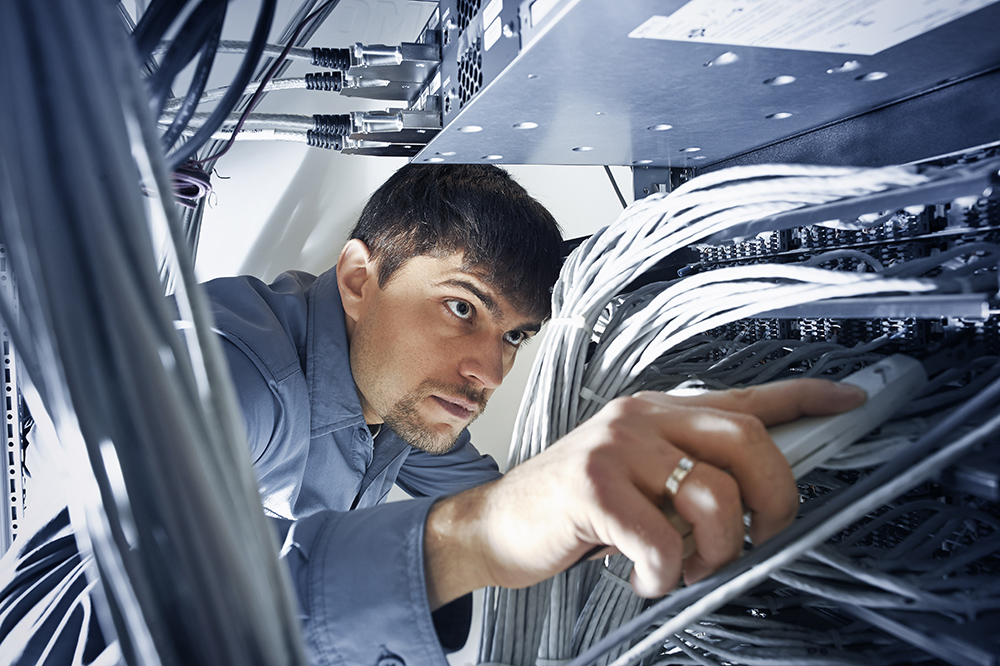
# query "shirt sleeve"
(427, 475)
(258, 403)
(359, 577)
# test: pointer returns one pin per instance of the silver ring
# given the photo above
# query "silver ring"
(680, 472)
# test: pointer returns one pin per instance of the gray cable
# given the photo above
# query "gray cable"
(144, 405)
(667, 323)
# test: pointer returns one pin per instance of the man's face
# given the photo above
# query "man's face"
(429, 349)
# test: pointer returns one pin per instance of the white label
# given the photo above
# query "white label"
(540, 9)
(492, 11)
(492, 33)
(863, 27)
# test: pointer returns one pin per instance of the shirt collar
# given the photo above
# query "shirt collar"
(333, 396)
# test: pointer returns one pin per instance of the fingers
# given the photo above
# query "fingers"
(726, 429)
(643, 534)
(708, 500)
(626, 453)
(739, 466)
(776, 402)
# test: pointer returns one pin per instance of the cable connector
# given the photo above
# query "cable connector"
(337, 125)
(331, 58)
(328, 81)
(399, 72)
(393, 132)
(328, 141)
(395, 126)
(890, 383)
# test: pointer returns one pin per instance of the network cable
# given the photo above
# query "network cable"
(156, 511)
(601, 345)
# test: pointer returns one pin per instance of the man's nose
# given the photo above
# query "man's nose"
(483, 363)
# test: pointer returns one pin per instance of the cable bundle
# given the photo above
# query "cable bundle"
(757, 640)
(196, 33)
(939, 572)
(197, 36)
(647, 232)
(956, 435)
(719, 363)
(600, 344)
(162, 500)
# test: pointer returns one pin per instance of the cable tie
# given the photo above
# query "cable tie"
(574, 321)
(616, 579)
(587, 394)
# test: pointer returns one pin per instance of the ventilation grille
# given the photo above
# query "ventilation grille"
(466, 10)
(470, 72)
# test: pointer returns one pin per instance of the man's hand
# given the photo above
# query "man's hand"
(605, 484)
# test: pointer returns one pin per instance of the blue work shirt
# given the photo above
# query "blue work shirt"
(357, 567)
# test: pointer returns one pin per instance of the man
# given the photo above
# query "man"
(369, 374)
(445, 276)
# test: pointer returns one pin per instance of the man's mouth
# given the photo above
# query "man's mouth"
(457, 407)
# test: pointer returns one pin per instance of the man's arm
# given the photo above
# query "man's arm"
(605, 483)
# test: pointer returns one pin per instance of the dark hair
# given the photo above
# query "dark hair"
(508, 239)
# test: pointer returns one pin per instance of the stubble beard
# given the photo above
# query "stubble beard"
(404, 418)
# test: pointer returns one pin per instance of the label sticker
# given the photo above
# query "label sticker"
(492, 33)
(492, 11)
(862, 27)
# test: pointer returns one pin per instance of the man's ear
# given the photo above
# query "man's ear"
(355, 274)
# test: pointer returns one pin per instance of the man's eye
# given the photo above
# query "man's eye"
(460, 309)
(515, 337)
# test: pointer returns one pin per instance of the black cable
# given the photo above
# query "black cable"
(206, 19)
(257, 43)
(154, 23)
(198, 82)
(614, 184)
(27, 423)
(294, 35)
(259, 93)
(149, 64)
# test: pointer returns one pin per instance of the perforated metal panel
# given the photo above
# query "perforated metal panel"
(569, 85)
(13, 483)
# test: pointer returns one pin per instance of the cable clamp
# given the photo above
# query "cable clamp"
(574, 321)
(587, 394)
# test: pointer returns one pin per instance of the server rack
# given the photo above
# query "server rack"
(663, 88)
(568, 82)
